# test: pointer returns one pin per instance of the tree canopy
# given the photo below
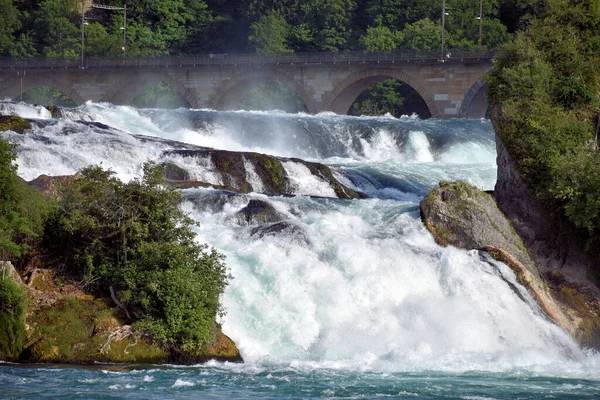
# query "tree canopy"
(52, 28)
(545, 92)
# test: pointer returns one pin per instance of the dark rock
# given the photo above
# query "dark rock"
(213, 201)
(284, 229)
(55, 111)
(556, 248)
(255, 213)
(13, 123)
(175, 173)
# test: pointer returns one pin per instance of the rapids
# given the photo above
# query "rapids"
(366, 290)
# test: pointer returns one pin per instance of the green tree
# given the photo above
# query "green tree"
(162, 26)
(545, 89)
(381, 38)
(383, 98)
(269, 34)
(9, 23)
(57, 29)
(422, 35)
(324, 25)
(13, 307)
(160, 95)
(23, 210)
(395, 14)
(131, 239)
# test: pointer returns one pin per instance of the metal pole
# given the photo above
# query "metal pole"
(124, 27)
(443, 23)
(480, 22)
(82, 31)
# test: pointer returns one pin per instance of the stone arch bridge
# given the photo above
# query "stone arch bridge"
(324, 81)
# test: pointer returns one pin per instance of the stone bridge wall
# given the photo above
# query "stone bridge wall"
(450, 89)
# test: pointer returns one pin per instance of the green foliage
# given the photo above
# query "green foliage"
(422, 35)
(9, 22)
(48, 96)
(23, 209)
(133, 238)
(381, 38)
(272, 95)
(269, 34)
(56, 28)
(160, 95)
(545, 88)
(324, 25)
(158, 27)
(13, 307)
(381, 99)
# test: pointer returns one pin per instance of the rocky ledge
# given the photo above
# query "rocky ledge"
(244, 172)
(460, 215)
(65, 325)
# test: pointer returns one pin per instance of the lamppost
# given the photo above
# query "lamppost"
(480, 22)
(444, 13)
(82, 30)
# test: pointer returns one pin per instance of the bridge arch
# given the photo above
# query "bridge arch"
(11, 88)
(127, 90)
(232, 91)
(344, 94)
(475, 104)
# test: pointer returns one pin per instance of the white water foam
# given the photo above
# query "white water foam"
(199, 167)
(252, 177)
(24, 110)
(304, 183)
(369, 289)
(373, 291)
(418, 147)
(61, 153)
(381, 147)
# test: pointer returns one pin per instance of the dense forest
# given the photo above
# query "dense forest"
(52, 28)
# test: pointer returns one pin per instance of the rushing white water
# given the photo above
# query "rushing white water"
(351, 284)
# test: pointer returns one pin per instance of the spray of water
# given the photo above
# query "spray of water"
(352, 284)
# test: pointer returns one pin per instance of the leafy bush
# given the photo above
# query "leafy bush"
(131, 238)
(23, 209)
(545, 89)
(13, 306)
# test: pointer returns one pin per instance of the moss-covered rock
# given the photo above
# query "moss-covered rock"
(244, 172)
(66, 325)
(13, 123)
(55, 111)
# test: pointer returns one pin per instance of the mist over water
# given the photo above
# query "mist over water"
(350, 286)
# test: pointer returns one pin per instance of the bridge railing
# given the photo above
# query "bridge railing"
(351, 57)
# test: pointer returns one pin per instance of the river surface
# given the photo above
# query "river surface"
(362, 304)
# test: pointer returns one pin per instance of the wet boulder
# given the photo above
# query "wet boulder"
(289, 231)
(256, 212)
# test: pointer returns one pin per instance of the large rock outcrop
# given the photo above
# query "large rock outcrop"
(460, 215)
(513, 227)
(556, 248)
